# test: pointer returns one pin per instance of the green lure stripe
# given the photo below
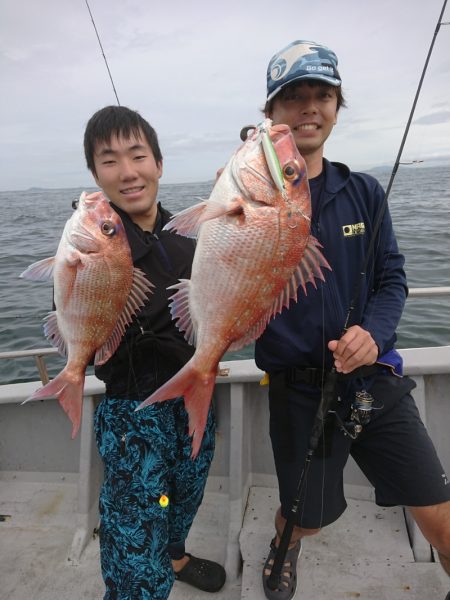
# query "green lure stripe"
(272, 161)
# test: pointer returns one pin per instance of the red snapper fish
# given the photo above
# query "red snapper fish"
(97, 291)
(254, 250)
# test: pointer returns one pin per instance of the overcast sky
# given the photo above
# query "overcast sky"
(196, 71)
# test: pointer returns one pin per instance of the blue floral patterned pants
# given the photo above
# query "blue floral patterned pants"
(151, 492)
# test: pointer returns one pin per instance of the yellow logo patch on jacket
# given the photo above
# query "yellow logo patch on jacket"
(355, 229)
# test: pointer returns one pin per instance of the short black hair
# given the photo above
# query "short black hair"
(312, 83)
(118, 121)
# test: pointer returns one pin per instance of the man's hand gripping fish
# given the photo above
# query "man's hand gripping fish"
(254, 250)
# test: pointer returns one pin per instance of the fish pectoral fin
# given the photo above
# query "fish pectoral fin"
(73, 258)
(179, 309)
(236, 208)
(140, 288)
(42, 270)
(188, 221)
(53, 334)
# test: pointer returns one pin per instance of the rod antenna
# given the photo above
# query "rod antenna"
(103, 53)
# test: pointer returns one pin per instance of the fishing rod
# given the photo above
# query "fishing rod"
(383, 206)
(103, 53)
(328, 391)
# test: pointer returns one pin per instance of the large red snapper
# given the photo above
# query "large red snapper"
(254, 250)
(96, 293)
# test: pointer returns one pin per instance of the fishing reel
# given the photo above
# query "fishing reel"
(360, 414)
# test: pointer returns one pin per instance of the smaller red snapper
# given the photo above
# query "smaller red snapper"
(97, 291)
(254, 250)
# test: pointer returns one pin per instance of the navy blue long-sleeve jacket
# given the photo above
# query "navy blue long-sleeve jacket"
(343, 225)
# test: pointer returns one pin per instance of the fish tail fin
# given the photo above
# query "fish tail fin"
(196, 388)
(69, 392)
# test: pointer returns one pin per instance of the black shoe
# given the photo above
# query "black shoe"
(202, 574)
(447, 597)
(288, 577)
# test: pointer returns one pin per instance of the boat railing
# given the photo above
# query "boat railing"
(39, 354)
(243, 457)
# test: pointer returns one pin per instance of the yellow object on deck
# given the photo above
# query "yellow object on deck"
(265, 379)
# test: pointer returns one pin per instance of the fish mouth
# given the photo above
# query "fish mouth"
(90, 200)
(236, 178)
(265, 177)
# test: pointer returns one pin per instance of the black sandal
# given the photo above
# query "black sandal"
(202, 574)
(288, 579)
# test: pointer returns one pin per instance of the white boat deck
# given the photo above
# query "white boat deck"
(36, 538)
(366, 554)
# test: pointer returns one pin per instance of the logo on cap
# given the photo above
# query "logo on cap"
(287, 58)
(301, 60)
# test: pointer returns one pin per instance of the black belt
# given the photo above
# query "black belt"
(316, 377)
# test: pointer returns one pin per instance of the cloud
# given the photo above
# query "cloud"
(434, 118)
(197, 70)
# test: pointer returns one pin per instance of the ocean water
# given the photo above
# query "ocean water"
(33, 221)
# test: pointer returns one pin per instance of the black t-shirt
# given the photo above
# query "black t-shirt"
(316, 185)
(152, 349)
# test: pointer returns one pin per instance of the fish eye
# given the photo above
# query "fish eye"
(108, 228)
(289, 171)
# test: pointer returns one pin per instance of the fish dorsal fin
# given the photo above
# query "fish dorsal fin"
(188, 221)
(42, 270)
(310, 267)
(307, 271)
(52, 333)
(179, 309)
(137, 297)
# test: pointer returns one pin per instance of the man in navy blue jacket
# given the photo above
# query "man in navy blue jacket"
(302, 344)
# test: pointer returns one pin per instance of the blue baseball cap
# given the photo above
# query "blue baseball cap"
(301, 60)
